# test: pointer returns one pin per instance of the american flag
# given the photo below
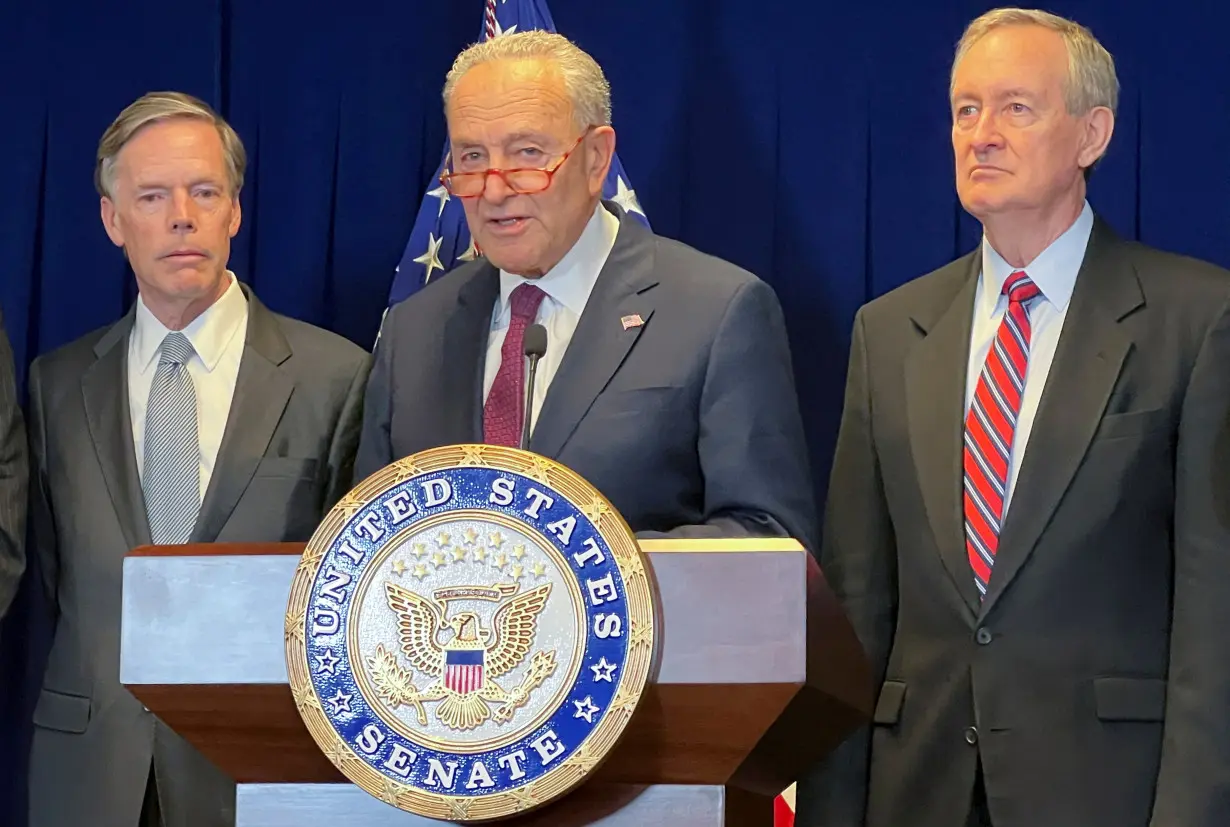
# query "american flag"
(439, 239)
(463, 670)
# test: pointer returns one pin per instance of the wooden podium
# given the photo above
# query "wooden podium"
(758, 675)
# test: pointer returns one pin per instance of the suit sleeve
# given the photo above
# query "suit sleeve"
(1193, 786)
(375, 439)
(858, 558)
(753, 454)
(14, 478)
(345, 443)
(42, 519)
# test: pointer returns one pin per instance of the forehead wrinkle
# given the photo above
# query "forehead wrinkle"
(529, 101)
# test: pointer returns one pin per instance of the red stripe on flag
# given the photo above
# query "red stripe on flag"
(783, 816)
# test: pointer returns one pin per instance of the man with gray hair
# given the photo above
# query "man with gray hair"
(1029, 515)
(666, 379)
(199, 417)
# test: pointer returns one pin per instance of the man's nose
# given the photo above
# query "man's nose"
(183, 213)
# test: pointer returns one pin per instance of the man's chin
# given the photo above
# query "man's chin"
(516, 262)
(983, 203)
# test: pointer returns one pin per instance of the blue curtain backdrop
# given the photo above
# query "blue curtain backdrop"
(806, 141)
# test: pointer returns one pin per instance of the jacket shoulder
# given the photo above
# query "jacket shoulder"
(925, 294)
(1182, 277)
(321, 349)
(694, 267)
(71, 358)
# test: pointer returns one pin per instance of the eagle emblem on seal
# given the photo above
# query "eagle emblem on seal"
(461, 670)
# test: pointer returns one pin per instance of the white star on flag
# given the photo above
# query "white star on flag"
(626, 197)
(471, 252)
(441, 193)
(501, 32)
(431, 258)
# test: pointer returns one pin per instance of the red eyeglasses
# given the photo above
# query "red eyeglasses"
(522, 181)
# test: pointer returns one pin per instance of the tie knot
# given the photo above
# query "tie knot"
(1020, 288)
(176, 349)
(525, 300)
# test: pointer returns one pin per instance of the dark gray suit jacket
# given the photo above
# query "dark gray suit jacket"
(689, 424)
(1093, 684)
(286, 457)
(14, 478)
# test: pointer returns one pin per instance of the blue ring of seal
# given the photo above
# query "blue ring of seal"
(509, 765)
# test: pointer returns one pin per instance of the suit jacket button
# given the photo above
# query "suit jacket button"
(971, 735)
(983, 637)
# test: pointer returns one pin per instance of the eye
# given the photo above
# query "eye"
(1018, 108)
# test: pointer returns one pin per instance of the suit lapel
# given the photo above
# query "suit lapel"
(1091, 352)
(262, 390)
(459, 411)
(601, 342)
(935, 377)
(104, 387)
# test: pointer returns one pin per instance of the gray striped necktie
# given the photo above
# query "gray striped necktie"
(172, 453)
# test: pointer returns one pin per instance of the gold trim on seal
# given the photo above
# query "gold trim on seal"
(586, 756)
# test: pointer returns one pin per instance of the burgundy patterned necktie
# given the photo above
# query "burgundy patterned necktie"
(990, 426)
(506, 399)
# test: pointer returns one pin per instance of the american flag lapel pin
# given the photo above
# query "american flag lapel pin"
(633, 320)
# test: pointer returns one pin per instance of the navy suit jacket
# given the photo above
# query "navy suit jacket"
(689, 424)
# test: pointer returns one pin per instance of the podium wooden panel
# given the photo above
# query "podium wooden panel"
(757, 675)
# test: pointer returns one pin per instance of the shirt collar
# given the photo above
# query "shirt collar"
(209, 333)
(570, 282)
(1054, 270)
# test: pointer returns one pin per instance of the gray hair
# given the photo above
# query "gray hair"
(583, 78)
(156, 107)
(1091, 78)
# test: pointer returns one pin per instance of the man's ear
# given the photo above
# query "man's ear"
(111, 221)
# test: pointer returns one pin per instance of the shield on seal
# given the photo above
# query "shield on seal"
(463, 670)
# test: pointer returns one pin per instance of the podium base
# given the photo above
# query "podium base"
(608, 805)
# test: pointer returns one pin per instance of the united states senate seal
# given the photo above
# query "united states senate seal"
(469, 632)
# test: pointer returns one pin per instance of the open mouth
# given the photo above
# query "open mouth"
(507, 225)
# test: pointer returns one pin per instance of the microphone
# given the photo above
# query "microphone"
(535, 345)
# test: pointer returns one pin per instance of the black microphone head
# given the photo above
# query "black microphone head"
(535, 341)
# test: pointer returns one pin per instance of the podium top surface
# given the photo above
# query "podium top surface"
(732, 611)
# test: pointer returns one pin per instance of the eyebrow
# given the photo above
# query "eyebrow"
(195, 182)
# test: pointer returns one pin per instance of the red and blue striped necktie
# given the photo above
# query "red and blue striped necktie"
(990, 426)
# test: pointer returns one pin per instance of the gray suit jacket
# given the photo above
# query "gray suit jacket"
(1093, 683)
(689, 423)
(14, 478)
(286, 457)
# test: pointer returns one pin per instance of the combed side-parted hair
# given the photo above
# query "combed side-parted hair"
(1091, 78)
(156, 107)
(584, 80)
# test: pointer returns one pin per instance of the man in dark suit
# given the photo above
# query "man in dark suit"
(667, 379)
(200, 416)
(14, 478)
(1029, 518)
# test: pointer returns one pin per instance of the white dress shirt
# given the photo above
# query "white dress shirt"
(218, 337)
(567, 285)
(1054, 271)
